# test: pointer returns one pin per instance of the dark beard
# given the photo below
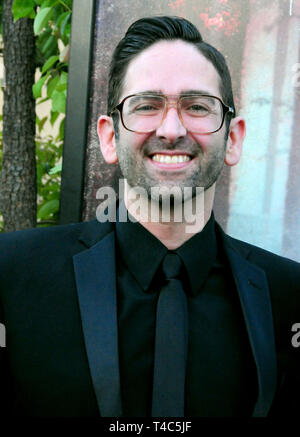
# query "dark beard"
(204, 177)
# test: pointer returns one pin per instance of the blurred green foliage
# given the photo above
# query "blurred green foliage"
(52, 27)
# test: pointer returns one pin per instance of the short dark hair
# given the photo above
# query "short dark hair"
(147, 31)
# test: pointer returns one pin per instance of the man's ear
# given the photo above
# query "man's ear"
(106, 134)
(237, 132)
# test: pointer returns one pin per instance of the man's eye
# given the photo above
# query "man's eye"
(198, 108)
(146, 108)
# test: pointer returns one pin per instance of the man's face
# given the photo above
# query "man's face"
(171, 68)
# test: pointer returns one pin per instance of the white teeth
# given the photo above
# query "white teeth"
(170, 159)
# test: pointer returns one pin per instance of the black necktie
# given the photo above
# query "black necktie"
(170, 344)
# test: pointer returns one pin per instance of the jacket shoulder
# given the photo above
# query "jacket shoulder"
(31, 243)
(262, 256)
(283, 274)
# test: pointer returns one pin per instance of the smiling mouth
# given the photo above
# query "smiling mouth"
(170, 159)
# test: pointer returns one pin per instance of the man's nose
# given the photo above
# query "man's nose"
(171, 128)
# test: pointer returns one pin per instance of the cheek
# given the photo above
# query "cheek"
(211, 142)
(132, 141)
(204, 142)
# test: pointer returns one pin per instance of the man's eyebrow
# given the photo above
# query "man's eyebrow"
(137, 97)
(183, 93)
(193, 92)
(152, 92)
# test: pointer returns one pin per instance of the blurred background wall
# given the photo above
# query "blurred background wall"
(258, 200)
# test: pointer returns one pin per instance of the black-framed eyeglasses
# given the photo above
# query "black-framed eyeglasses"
(198, 113)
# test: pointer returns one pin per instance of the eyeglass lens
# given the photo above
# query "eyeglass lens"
(199, 114)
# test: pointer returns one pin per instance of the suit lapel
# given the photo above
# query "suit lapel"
(254, 296)
(95, 276)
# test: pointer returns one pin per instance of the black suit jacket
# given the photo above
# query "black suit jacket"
(58, 304)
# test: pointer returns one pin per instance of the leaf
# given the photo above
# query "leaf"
(23, 8)
(67, 33)
(62, 129)
(49, 47)
(64, 23)
(42, 100)
(63, 80)
(43, 37)
(48, 64)
(48, 209)
(63, 77)
(61, 87)
(59, 101)
(37, 87)
(42, 122)
(53, 118)
(41, 19)
(60, 18)
(47, 3)
(51, 85)
(55, 169)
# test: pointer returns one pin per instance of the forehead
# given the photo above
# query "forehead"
(171, 67)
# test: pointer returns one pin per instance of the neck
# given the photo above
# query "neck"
(174, 225)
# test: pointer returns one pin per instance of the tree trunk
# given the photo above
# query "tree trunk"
(18, 178)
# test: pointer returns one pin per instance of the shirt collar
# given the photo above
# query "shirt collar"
(199, 254)
(142, 252)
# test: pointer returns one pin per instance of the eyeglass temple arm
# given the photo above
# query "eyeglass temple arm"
(230, 110)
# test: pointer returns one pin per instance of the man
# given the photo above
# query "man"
(89, 308)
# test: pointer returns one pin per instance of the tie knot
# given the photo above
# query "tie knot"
(171, 265)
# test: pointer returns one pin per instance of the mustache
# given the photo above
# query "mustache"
(153, 146)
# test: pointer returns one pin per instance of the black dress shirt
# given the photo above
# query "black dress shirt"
(221, 374)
